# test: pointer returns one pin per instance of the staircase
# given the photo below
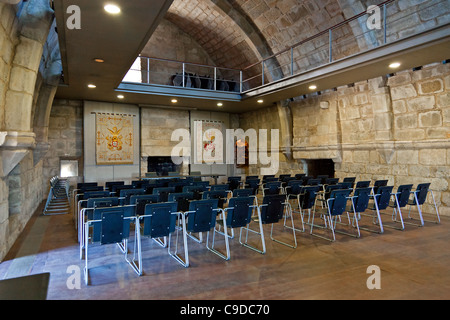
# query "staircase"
(58, 197)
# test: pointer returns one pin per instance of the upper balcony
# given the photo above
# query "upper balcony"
(356, 49)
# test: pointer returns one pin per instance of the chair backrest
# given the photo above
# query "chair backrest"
(163, 193)
(313, 182)
(159, 220)
(308, 196)
(110, 184)
(86, 189)
(127, 193)
(81, 185)
(220, 195)
(351, 180)
(141, 200)
(267, 176)
(299, 176)
(118, 188)
(251, 178)
(196, 190)
(202, 216)
(221, 187)
(284, 177)
(239, 212)
(422, 192)
(102, 202)
(332, 181)
(329, 189)
(242, 193)
(113, 227)
(384, 197)
(252, 184)
(345, 185)
(403, 194)
(337, 203)
(294, 187)
(362, 184)
(95, 194)
(182, 199)
(272, 187)
(323, 178)
(201, 183)
(361, 202)
(272, 208)
(139, 184)
(234, 182)
(178, 185)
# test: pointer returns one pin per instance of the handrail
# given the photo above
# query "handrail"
(316, 35)
(189, 63)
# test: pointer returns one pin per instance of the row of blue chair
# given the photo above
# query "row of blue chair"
(216, 209)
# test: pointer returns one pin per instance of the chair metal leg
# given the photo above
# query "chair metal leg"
(227, 247)
(184, 262)
(419, 209)
(287, 206)
(136, 262)
(260, 233)
(326, 225)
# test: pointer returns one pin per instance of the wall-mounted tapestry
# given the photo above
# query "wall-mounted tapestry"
(115, 139)
(209, 142)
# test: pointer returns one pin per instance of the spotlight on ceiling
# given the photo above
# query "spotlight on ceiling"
(394, 65)
(312, 87)
(220, 104)
(92, 86)
(112, 8)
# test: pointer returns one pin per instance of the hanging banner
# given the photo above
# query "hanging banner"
(115, 139)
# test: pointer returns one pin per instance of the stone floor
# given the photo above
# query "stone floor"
(414, 264)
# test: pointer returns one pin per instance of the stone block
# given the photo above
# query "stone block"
(381, 103)
(407, 157)
(403, 92)
(382, 122)
(443, 100)
(406, 121)
(399, 106)
(438, 133)
(433, 157)
(431, 86)
(421, 103)
(430, 119)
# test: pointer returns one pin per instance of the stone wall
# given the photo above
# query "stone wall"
(395, 127)
(157, 125)
(65, 137)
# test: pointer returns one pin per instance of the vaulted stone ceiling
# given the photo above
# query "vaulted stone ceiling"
(240, 33)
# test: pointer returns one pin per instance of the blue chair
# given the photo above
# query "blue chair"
(111, 225)
(360, 203)
(220, 195)
(202, 217)
(362, 184)
(293, 190)
(110, 184)
(125, 195)
(419, 197)
(379, 183)
(163, 193)
(182, 199)
(196, 190)
(307, 201)
(252, 184)
(336, 206)
(234, 183)
(158, 223)
(381, 202)
(401, 199)
(272, 187)
(273, 209)
(239, 215)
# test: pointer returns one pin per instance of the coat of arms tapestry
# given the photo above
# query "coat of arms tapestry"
(115, 139)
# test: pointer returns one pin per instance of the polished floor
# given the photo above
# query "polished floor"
(414, 264)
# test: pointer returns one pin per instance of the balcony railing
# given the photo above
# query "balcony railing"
(383, 24)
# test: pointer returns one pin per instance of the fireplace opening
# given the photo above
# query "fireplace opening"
(162, 166)
(319, 167)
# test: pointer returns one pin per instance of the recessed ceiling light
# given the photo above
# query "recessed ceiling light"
(313, 87)
(99, 60)
(174, 100)
(394, 65)
(120, 96)
(112, 8)
(220, 104)
(260, 101)
(92, 86)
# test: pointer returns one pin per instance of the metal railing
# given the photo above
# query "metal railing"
(385, 23)
(167, 72)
